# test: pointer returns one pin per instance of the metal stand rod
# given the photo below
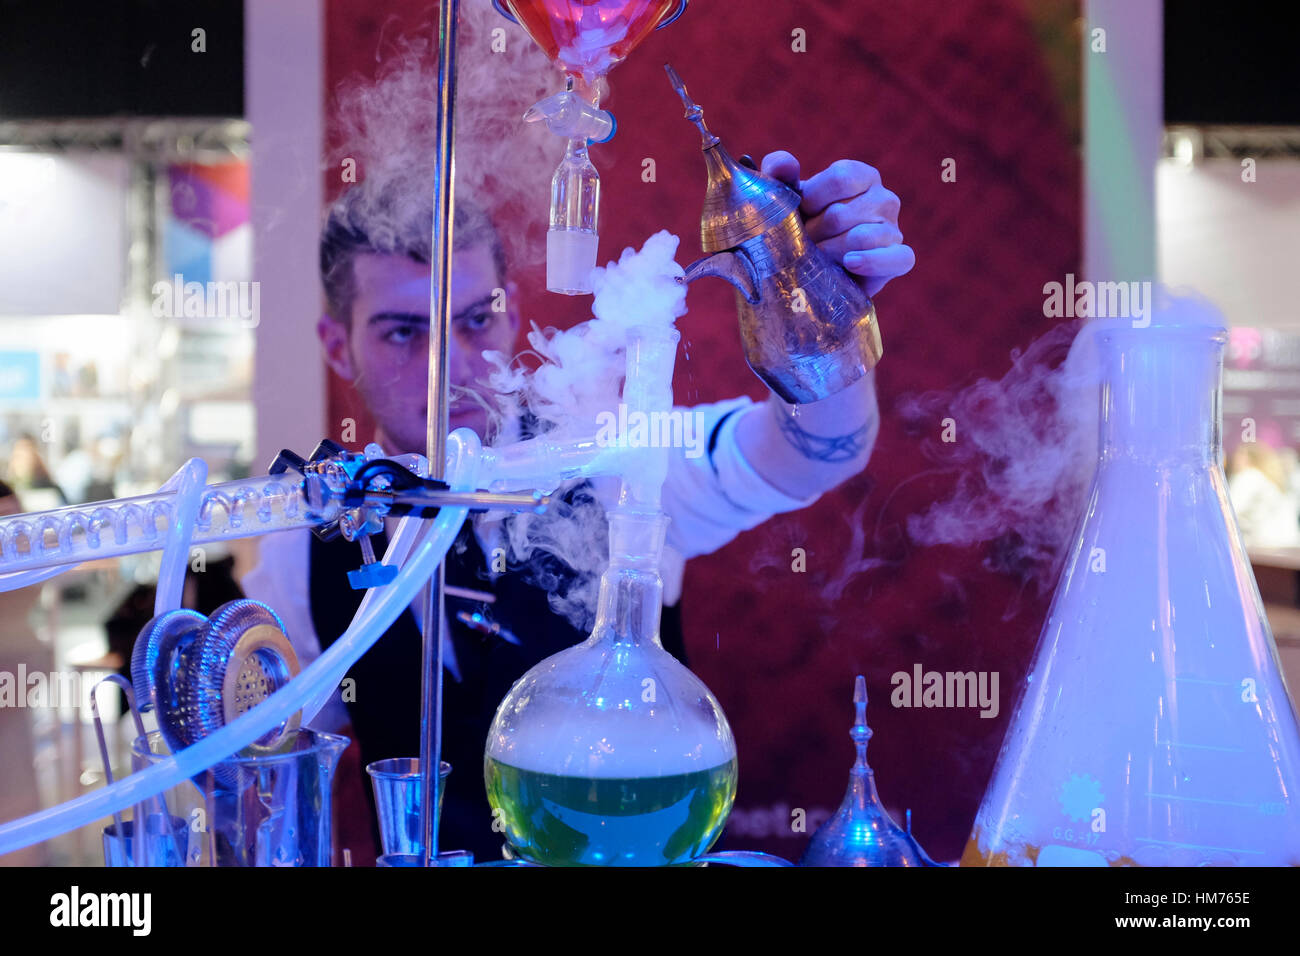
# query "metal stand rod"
(444, 172)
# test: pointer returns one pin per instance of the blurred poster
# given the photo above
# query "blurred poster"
(208, 237)
(1261, 388)
(20, 376)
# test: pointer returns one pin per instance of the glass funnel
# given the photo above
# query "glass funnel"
(589, 37)
(611, 753)
(586, 38)
(1155, 728)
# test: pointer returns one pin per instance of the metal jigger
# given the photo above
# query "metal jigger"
(808, 329)
(861, 832)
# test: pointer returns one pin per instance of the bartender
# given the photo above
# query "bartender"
(762, 459)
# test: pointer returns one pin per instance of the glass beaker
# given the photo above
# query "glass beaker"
(611, 753)
(167, 838)
(268, 810)
(1155, 728)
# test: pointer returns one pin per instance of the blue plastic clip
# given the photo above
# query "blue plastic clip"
(373, 575)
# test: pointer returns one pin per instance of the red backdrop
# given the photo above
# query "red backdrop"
(991, 84)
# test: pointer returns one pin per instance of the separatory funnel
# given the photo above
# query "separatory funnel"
(586, 38)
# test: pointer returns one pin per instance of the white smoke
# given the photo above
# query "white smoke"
(581, 376)
(388, 127)
(1026, 444)
(1021, 447)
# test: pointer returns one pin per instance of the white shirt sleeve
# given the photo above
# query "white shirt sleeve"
(709, 495)
(280, 581)
(712, 496)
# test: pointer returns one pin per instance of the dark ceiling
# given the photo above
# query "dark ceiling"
(1224, 62)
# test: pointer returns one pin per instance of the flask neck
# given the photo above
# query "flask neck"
(861, 793)
(1160, 396)
(631, 590)
(629, 606)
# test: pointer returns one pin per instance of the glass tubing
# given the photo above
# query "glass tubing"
(109, 529)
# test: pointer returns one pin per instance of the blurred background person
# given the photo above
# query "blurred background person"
(27, 473)
(72, 472)
(1262, 497)
(19, 645)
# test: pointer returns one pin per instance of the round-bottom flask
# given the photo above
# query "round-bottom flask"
(611, 753)
(1155, 727)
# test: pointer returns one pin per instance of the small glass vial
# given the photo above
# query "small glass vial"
(572, 239)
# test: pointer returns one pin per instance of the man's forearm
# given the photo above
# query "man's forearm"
(810, 452)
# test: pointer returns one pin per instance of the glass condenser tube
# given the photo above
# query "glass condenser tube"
(109, 529)
(323, 674)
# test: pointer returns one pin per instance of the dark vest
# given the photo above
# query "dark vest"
(386, 713)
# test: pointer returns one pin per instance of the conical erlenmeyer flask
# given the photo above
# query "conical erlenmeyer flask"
(611, 753)
(1155, 727)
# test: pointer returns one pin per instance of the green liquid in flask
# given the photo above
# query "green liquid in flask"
(614, 821)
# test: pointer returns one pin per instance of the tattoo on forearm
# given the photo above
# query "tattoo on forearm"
(828, 448)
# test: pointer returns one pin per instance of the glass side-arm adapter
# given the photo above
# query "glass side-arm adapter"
(364, 489)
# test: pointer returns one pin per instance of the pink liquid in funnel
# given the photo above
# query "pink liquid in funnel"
(588, 37)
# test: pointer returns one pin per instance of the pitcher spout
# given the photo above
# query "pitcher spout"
(735, 267)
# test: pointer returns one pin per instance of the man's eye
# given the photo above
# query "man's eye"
(401, 335)
(479, 321)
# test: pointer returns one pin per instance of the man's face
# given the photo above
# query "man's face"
(385, 350)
